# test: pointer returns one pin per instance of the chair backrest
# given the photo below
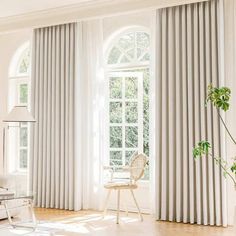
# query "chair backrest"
(137, 164)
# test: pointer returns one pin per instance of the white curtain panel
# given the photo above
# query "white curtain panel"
(187, 61)
(54, 167)
(91, 102)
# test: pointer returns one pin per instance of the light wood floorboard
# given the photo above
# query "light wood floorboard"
(91, 223)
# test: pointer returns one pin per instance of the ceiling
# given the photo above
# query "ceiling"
(18, 7)
(28, 14)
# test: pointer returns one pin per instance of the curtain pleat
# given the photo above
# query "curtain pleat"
(187, 62)
(53, 78)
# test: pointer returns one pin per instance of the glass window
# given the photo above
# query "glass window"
(116, 88)
(116, 112)
(19, 95)
(23, 92)
(130, 48)
(129, 97)
(23, 65)
(116, 137)
(23, 163)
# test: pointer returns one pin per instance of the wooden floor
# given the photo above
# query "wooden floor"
(61, 223)
(91, 223)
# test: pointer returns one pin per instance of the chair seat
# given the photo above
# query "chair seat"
(120, 185)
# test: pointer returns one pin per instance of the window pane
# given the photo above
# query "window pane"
(126, 41)
(23, 159)
(114, 55)
(146, 173)
(116, 137)
(24, 64)
(128, 155)
(143, 40)
(23, 93)
(131, 53)
(131, 136)
(116, 112)
(146, 87)
(23, 137)
(131, 87)
(131, 112)
(124, 59)
(115, 158)
(146, 57)
(115, 87)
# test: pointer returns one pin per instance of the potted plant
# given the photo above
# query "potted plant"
(219, 98)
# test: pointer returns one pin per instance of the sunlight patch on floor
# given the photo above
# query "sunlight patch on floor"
(87, 224)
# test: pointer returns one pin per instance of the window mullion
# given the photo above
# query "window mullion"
(124, 53)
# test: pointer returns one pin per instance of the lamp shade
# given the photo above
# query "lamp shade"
(19, 114)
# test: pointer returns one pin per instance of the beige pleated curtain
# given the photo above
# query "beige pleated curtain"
(187, 61)
(53, 164)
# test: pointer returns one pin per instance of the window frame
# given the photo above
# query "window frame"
(124, 68)
(16, 79)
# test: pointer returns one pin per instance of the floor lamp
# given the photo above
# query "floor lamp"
(18, 115)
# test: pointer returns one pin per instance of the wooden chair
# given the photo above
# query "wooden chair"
(136, 171)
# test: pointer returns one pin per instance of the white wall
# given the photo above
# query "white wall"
(9, 43)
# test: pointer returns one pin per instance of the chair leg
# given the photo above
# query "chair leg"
(126, 206)
(106, 202)
(136, 203)
(118, 207)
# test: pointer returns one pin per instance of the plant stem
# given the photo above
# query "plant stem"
(230, 135)
(223, 167)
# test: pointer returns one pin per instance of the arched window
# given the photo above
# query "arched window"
(19, 87)
(127, 62)
(130, 48)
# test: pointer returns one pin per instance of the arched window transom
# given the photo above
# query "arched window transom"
(131, 48)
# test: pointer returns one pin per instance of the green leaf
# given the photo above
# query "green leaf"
(233, 168)
(219, 97)
(202, 148)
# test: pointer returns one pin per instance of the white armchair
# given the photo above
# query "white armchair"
(136, 171)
